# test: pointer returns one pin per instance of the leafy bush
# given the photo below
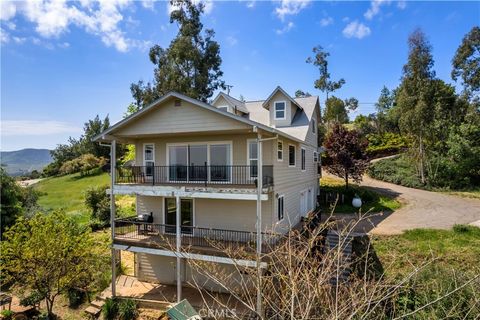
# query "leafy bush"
(7, 314)
(127, 309)
(83, 164)
(33, 299)
(386, 144)
(97, 200)
(110, 309)
(397, 170)
(75, 297)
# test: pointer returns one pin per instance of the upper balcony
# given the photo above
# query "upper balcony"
(231, 176)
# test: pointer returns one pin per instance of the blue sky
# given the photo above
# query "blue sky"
(64, 62)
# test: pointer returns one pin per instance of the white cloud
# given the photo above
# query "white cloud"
(374, 8)
(356, 29)
(251, 4)
(7, 10)
(326, 21)
(285, 29)
(53, 18)
(232, 41)
(19, 40)
(290, 7)
(35, 128)
(4, 36)
(148, 4)
(402, 4)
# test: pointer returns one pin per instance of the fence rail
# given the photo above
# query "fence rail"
(130, 229)
(243, 175)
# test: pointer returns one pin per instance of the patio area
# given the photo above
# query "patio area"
(161, 296)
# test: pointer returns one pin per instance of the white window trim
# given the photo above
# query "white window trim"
(283, 150)
(248, 155)
(284, 110)
(303, 159)
(282, 196)
(315, 156)
(193, 213)
(208, 143)
(143, 155)
(295, 157)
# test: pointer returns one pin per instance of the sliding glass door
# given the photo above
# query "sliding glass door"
(200, 162)
(186, 215)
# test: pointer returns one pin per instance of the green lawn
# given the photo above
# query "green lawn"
(457, 249)
(68, 193)
(372, 201)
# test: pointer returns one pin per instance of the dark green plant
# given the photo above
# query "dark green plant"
(33, 299)
(127, 309)
(110, 309)
(98, 201)
(75, 297)
(7, 314)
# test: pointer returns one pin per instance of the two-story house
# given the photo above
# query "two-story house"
(195, 179)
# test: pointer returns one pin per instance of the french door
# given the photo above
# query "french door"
(186, 215)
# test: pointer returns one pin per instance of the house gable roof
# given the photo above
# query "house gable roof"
(136, 115)
(279, 89)
(234, 103)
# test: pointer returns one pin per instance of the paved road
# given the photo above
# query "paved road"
(422, 209)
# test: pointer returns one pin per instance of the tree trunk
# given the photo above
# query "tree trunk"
(346, 180)
(422, 168)
(49, 303)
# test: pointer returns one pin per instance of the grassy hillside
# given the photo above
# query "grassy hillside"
(24, 161)
(68, 192)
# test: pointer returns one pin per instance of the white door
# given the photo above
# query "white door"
(303, 203)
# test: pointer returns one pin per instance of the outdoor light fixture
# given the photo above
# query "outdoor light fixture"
(356, 201)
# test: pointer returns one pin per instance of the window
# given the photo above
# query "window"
(291, 155)
(303, 159)
(253, 157)
(280, 207)
(223, 108)
(186, 215)
(280, 151)
(280, 110)
(315, 156)
(314, 126)
(149, 158)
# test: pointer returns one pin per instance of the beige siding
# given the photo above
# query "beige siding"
(214, 213)
(289, 110)
(158, 269)
(167, 118)
(161, 269)
(311, 137)
(239, 147)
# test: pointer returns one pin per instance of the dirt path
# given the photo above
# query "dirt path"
(422, 209)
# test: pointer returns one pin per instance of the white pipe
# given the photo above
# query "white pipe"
(112, 213)
(259, 222)
(179, 260)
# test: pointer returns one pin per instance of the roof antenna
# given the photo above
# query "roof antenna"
(228, 88)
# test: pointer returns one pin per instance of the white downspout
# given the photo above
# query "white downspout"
(259, 223)
(178, 243)
(113, 160)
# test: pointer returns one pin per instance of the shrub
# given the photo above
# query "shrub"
(33, 299)
(75, 297)
(7, 314)
(97, 200)
(83, 164)
(127, 309)
(110, 309)
(398, 170)
(381, 145)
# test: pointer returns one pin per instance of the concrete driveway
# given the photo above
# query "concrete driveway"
(422, 209)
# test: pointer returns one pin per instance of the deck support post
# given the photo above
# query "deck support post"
(178, 244)
(113, 160)
(259, 224)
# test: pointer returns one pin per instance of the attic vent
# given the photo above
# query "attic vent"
(178, 102)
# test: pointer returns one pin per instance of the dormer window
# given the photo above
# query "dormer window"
(279, 108)
(223, 108)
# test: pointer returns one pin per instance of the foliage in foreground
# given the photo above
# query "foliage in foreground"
(50, 254)
(121, 309)
(15, 201)
(304, 280)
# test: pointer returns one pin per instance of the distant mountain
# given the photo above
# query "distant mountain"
(23, 161)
